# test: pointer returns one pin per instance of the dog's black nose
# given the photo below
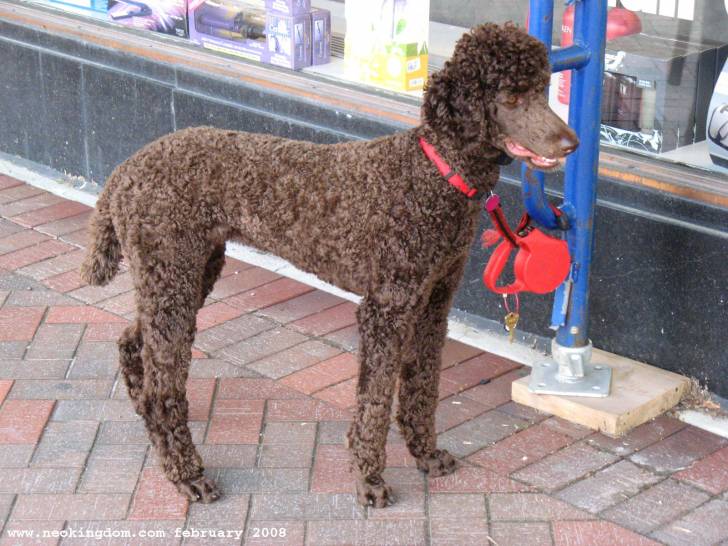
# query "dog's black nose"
(568, 143)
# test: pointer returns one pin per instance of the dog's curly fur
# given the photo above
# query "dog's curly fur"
(375, 218)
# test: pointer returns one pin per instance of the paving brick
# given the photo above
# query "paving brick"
(408, 485)
(5, 386)
(521, 534)
(228, 456)
(327, 321)
(521, 449)
(639, 438)
(457, 506)
(6, 502)
(341, 395)
(287, 433)
(8, 182)
(367, 533)
(260, 346)
(235, 422)
(21, 239)
(608, 487)
(456, 532)
(304, 410)
(55, 342)
(38, 480)
(454, 352)
(479, 432)
(531, 415)
(301, 306)
(33, 369)
(243, 388)
(679, 450)
(17, 193)
(94, 294)
(44, 533)
(324, 374)
(470, 479)
(65, 225)
(471, 372)
(246, 279)
(656, 506)
(104, 331)
(214, 314)
(705, 525)
(306, 506)
(347, 339)
(455, 410)
(32, 254)
(15, 456)
(113, 469)
(235, 481)
(531, 507)
(22, 421)
(231, 331)
(199, 396)
(332, 432)
(294, 359)
(596, 533)
(268, 294)
(122, 432)
(45, 215)
(286, 456)
(569, 464)
(709, 473)
(94, 410)
(123, 305)
(138, 533)
(53, 389)
(65, 444)
(78, 238)
(69, 507)
(562, 426)
(288, 533)
(19, 324)
(233, 266)
(45, 269)
(21, 206)
(216, 367)
(157, 498)
(331, 472)
(65, 282)
(12, 349)
(37, 298)
(80, 314)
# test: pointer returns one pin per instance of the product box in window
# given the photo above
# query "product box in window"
(289, 39)
(656, 92)
(231, 26)
(386, 42)
(166, 16)
(321, 36)
(288, 7)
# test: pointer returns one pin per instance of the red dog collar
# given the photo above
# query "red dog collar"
(453, 178)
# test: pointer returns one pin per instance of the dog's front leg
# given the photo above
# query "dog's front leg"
(383, 330)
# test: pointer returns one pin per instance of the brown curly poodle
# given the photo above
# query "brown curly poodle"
(376, 218)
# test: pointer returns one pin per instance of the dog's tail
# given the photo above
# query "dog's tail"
(104, 251)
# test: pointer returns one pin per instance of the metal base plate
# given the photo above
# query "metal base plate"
(596, 383)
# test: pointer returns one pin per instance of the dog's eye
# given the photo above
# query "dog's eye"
(512, 100)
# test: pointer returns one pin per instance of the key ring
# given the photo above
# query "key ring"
(518, 303)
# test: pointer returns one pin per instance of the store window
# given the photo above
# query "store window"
(665, 91)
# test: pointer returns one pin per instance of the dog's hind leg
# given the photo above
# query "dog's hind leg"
(383, 329)
(169, 293)
(130, 362)
(419, 380)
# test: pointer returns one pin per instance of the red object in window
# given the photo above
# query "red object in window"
(620, 22)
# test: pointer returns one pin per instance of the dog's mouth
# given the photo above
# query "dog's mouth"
(532, 158)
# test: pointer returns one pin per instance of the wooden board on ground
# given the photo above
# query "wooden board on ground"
(640, 392)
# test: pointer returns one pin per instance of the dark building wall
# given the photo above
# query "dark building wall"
(659, 286)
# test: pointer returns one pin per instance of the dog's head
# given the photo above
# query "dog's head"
(490, 98)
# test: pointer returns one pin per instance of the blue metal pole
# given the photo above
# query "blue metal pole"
(590, 22)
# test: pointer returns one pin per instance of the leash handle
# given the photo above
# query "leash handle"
(495, 211)
(493, 270)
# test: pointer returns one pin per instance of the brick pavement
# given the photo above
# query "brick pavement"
(271, 389)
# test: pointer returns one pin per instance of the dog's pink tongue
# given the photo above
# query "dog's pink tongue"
(517, 149)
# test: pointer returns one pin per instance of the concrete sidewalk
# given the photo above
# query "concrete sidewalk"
(271, 391)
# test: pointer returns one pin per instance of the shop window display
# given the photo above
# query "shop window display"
(664, 95)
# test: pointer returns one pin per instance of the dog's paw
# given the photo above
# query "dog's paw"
(374, 492)
(440, 463)
(200, 489)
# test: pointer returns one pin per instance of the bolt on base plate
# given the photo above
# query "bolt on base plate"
(570, 373)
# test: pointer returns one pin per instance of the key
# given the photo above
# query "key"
(511, 321)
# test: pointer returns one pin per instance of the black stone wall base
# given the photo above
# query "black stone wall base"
(660, 280)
